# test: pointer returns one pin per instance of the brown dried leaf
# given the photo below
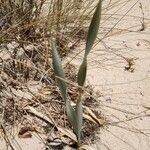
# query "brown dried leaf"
(91, 116)
(86, 147)
(68, 133)
(99, 121)
(64, 131)
(25, 132)
(147, 107)
(40, 115)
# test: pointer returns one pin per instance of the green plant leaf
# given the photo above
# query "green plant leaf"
(79, 118)
(93, 29)
(92, 34)
(71, 115)
(75, 117)
(59, 72)
(82, 73)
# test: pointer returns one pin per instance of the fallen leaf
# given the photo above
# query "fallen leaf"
(38, 114)
(67, 132)
(86, 147)
(25, 132)
(147, 107)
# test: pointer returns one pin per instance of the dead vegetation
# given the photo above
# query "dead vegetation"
(29, 99)
(30, 102)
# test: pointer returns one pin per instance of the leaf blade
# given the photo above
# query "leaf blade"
(71, 114)
(93, 29)
(58, 70)
(82, 73)
(79, 118)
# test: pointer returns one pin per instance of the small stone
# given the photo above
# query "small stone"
(56, 144)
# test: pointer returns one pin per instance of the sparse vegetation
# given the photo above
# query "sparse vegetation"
(26, 32)
(76, 116)
(68, 114)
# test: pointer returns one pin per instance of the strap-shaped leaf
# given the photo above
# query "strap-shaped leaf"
(58, 70)
(79, 118)
(75, 117)
(82, 72)
(93, 29)
(92, 34)
(71, 114)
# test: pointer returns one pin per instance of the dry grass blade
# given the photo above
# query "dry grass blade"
(89, 118)
(68, 133)
(93, 116)
(41, 116)
(7, 138)
(12, 143)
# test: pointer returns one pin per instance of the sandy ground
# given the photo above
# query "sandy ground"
(124, 90)
(125, 96)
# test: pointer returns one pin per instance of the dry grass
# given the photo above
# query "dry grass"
(30, 100)
(27, 84)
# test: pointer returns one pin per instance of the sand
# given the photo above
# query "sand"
(125, 89)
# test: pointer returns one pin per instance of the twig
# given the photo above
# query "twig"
(7, 138)
(143, 24)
